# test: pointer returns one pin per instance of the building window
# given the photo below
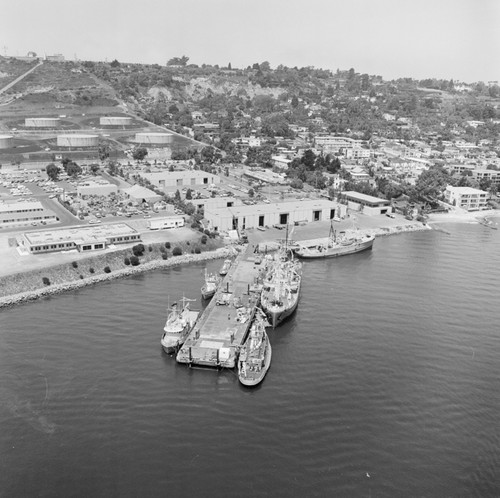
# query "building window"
(86, 248)
(98, 246)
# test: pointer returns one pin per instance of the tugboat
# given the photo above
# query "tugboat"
(255, 356)
(210, 286)
(178, 326)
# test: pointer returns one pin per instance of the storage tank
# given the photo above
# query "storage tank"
(115, 121)
(6, 141)
(153, 138)
(41, 122)
(77, 140)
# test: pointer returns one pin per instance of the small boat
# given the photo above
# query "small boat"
(225, 267)
(255, 356)
(335, 245)
(210, 286)
(178, 325)
(487, 223)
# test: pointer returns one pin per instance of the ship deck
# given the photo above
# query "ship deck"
(217, 337)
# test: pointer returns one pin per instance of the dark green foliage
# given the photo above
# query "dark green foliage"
(162, 249)
(164, 256)
(74, 264)
(197, 250)
(134, 260)
(81, 277)
(91, 270)
(177, 251)
(167, 245)
(107, 269)
(126, 261)
(46, 281)
(188, 243)
(138, 249)
(150, 248)
(204, 239)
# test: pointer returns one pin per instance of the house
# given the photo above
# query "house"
(366, 203)
(468, 198)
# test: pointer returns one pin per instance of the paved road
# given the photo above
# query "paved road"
(17, 80)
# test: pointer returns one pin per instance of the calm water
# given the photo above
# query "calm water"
(384, 383)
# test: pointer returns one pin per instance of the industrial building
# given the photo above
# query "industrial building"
(42, 122)
(167, 222)
(22, 213)
(83, 239)
(141, 194)
(96, 188)
(76, 140)
(279, 213)
(366, 203)
(6, 141)
(172, 180)
(150, 138)
(115, 121)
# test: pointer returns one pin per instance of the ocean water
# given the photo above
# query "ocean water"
(385, 382)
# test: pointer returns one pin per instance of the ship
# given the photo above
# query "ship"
(210, 286)
(281, 288)
(225, 267)
(255, 356)
(178, 325)
(337, 244)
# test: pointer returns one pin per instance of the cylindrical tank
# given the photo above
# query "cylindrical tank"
(6, 141)
(115, 121)
(77, 140)
(41, 122)
(153, 138)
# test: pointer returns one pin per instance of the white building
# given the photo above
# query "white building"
(278, 213)
(24, 213)
(96, 188)
(170, 181)
(468, 198)
(366, 203)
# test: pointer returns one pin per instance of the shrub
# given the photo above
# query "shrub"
(107, 269)
(81, 276)
(126, 261)
(91, 270)
(74, 264)
(194, 225)
(138, 250)
(188, 243)
(167, 245)
(204, 239)
(164, 256)
(134, 261)
(177, 251)
(150, 248)
(46, 281)
(201, 229)
(162, 249)
(197, 250)
(206, 231)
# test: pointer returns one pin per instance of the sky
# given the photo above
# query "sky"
(449, 39)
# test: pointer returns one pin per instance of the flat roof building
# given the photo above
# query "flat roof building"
(172, 180)
(262, 215)
(141, 194)
(23, 213)
(468, 198)
(81, 238)
(366, 203)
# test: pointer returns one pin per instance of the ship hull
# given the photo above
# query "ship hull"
(336, 251)
(279, 315)
(254, 380)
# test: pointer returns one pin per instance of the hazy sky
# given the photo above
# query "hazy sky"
(452, 39)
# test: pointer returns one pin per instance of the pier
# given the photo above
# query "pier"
(220, 332)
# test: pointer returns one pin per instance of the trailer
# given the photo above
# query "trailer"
(163, 223)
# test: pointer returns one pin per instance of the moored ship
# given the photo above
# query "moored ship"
(210, 286)
(337, 244)
(255, 356)
(178, 325)
(281, 289)
(225, 267)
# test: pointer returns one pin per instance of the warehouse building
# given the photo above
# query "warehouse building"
(141, 194)
(279, 213)
(169, 181)
(23, 213)
(366, 203)
(84, 239)
(96, 188)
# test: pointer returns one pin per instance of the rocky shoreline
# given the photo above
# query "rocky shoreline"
(50, 290)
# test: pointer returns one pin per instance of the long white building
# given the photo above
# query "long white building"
(23, 213)
(468, 198)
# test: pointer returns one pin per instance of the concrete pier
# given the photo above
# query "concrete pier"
(219, 333)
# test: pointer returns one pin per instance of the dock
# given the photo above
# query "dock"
(221, 330)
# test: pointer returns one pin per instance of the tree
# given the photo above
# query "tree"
(178, 61)
(139, 153)
(94, 168)
(73, 169)
(103, 151)
(52, 172)
(251, 192)
(189, 194)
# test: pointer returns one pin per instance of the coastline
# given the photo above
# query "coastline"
(456, 216)
(32, 295)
